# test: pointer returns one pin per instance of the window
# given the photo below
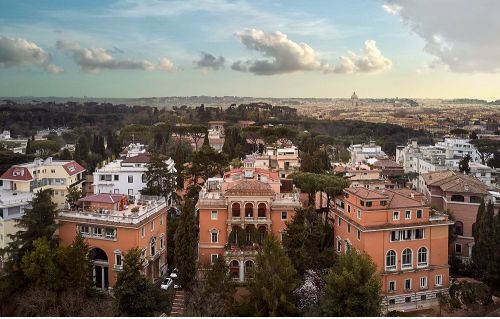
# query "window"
(362, 203)
(390, 260)
(130, 192)
(110, 233)
(248, 210)
(97, 231)
(358, 234)
(236, 210)
(284, 215)
(118, 259)
(116, 191)
(457, 198)
(358, 213)
(423, 282)
(407, 234)
(395, 216)
(423, 297)
(162, 242)
(368, 204)
(459, 228)
(144, 178)
(408, 214)
(84, 229)
(130, 179)
(407, 284)
(161, 220)
(406, 258)
(282, 235)
(213, 215)
(407, 299)
(383, 203)
(394, 235)
(419, 233)
(143, 231)
(348, 228)
(339, 245)
(419, 213)
(261, 210)
(53, 171)
(422, 257)
(152, 245)
(215, 236)
(116, 177)
(339, 220)
(347, 246)
(458, 248)
(152, 225)
(439, 280)
(392, 301)
(392, 286)
(348, 208)
(475, 199)
(213, 258)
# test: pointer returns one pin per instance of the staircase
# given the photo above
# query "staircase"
(178, 304)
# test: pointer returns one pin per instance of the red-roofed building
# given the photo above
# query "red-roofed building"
(234, 209)
(407, 242)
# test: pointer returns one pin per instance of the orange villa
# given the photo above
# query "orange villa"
(112, 226)
(407, 242)
(238, 211)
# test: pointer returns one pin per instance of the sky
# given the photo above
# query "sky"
(261, 48)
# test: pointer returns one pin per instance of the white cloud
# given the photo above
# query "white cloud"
(18, 52)
(462, 34)
(210, 62)
(370, 60)
(96, 59)
(283, 55)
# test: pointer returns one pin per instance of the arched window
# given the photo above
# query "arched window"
(248, 210)
(475, 199)
(422, 257)
(248, 269)
(262, 210)
(459, 228)
(390, 260)
(406, 258)
(234, 269)
(236, 210)
(457, 198)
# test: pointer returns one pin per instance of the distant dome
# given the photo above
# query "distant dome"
(354, 96)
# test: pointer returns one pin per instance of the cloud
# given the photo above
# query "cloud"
(370, 60)
(283, 55)
(209, 62)
(18, 52)
(97, 59)
(462, 34)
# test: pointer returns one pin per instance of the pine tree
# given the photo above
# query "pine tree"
(463, 165)
(353, 287)
(133, 291)
(39, 221)
(275, 279)
(160, 180)
(186, 240)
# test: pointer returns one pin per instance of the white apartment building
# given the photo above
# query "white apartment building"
(360, 153)
(459, 147)
(125, 176)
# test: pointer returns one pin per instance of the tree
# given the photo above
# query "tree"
(332, 185)
(74, 194)
(75, 265)
(308, 183)
(215, 296)
(196, 132)
(252, 133)
(44, 148)
(160, 178)
(133, 291)
(206, 163)
(306, 241)
(486, 148)
(39, 221)
(275, 280)
(38, 265)
(353, 287)
(463, 165)
(186, 241)
(65, 155)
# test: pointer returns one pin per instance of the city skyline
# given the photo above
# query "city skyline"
(383, 48)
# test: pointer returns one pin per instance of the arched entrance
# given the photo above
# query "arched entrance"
(234, 269)
(249, 269)
(100, 271)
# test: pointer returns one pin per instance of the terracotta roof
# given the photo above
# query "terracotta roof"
(250, 187)
(451, 181)
(17, 173)
(138, 159)
(73, 168)
(387, 163)
(102, 198)
(396, 198)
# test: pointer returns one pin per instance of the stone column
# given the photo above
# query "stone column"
(242, 270)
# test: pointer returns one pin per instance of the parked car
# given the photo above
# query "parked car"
(166, 284)
(173, 276)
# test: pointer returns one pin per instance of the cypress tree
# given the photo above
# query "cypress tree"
(275, 280)
(186, 240)
(478, 248)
